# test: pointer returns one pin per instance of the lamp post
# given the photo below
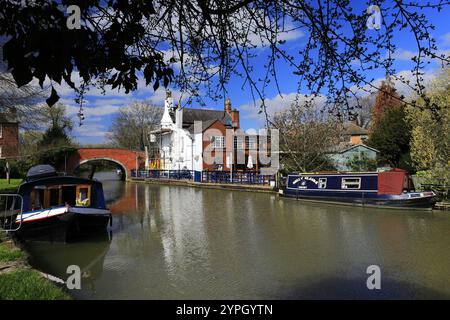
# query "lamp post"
(234, 126)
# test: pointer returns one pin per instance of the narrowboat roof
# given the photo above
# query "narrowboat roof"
(334, 173)
(56, 180)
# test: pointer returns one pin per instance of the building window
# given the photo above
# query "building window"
(239, 143)
(1, 153)
(322, 183)
(252, 143)
(218, 142)
(1, 130)
(351, 183)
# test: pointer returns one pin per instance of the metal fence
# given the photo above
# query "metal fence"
(224, 177)
(164, 174)
(10, 208)
(237, 177)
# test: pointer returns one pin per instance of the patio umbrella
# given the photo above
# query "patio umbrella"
(250, 162)
(146, 159)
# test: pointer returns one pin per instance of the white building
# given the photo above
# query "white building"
(180, 146)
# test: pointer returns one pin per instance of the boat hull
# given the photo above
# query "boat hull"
(62, 224)
(405, 201)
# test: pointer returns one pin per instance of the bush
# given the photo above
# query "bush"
(19, 168)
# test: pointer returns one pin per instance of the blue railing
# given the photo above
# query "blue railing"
(224, 177)
(237, 177)
(164, 174)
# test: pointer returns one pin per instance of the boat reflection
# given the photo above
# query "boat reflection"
(53, 258)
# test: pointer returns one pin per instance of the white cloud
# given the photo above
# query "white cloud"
(274, 105)
(258, 40)
(90, 130)
(446, 39)
(101, 110)
(406, 55)
(402, 54)
(401, 86)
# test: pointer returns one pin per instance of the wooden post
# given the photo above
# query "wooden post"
(7, 172)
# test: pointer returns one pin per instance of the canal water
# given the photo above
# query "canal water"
(173, 242)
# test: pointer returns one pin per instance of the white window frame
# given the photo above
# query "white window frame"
(322, 183)
(239, 142)
(218, 142)
(252, 143)
(345, 182)
(1, 130)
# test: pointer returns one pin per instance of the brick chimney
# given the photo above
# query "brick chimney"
(235, 119)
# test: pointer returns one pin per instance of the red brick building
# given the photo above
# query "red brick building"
(9, 135)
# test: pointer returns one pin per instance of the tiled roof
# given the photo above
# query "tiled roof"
(354, 130)
(344, 147)
(190, 115)
(205, 125)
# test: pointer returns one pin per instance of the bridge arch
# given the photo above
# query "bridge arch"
(128, 160)
(122, 166)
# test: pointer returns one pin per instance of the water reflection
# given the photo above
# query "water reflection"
(53, 258)
(178, 242)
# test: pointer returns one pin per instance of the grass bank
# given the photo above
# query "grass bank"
(11, 186)
(18, 281)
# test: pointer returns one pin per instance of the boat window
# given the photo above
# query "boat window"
(69, 195)
(83, 196)
(37, 198)
(322, 183)
(54, 197)
(351, 183)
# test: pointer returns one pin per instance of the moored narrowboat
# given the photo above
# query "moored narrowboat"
(389, 189)
(60, 206)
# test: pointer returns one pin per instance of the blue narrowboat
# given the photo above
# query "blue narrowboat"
(62, 206)
(389, 189)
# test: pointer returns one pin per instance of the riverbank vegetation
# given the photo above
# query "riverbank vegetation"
(413, 136)
(18, 281)
(416, 136)
(53, 156)
(430, 132)
(389, 132)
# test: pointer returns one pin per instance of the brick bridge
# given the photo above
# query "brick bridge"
(126, 159)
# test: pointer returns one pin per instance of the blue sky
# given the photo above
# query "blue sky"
(101, 109)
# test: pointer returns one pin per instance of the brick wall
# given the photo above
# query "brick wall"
(213, 130)
(9, 140)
